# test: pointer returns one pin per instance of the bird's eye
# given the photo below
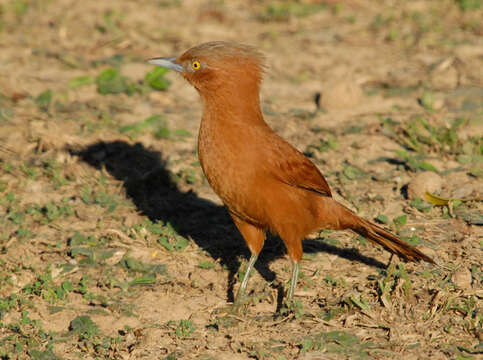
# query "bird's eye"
(195, 65)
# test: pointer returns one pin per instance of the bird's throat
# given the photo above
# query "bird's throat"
(232, 107)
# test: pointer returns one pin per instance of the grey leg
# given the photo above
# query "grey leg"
(241, 291)
(293, 281)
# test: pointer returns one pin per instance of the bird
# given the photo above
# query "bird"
(265, 183)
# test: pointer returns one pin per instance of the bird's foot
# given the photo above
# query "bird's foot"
(230, 309)
(237, 308)
(292, 307)
(241, 304)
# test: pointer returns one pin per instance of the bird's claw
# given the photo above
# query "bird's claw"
(231, 309)
(291, 307)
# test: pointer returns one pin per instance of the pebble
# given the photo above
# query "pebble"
(422, 182)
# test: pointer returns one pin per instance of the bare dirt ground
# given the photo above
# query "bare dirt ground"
(113, 245)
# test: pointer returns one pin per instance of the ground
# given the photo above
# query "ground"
(113, 245)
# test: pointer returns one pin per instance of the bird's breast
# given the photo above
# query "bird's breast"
(227, 160)
(219, 158)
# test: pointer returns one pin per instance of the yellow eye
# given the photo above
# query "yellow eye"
(195, 65)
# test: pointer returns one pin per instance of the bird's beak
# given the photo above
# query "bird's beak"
(167, 62)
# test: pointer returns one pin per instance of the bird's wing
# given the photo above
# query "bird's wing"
(290, 166)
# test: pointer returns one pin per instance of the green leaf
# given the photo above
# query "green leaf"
(44, 99)
(42, 355)
(155, 79)
(342, 338)
(436, 200)
(427, 100)
(163, 133)
(353, 173)
(477, 172)
(110, 81)
(173, 243)
(441, 201)
(382, 219)
(413, 240)
(135, 265)
(144, 280)
(421, 205)
(181, 133)
(67, 286)
(206, 264)
(83, 325)
(362, 304)
(148, 123)
(467, 5)
(184, 329)
(427, 166)
(81, 81)
(401, 220)
(471, 217)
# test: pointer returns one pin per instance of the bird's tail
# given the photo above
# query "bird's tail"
(382, 237)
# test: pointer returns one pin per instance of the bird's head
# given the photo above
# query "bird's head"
(217, 65)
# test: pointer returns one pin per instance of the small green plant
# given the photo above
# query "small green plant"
(110, 81)
(135, 265)
(414, 162)
(344, 344)
(6, 111)
(381, 22)
(468, 5)
(156, 80)
(8, 167)
(44, 100)
(381, 218)
(360, 302)
(53, 211)
(421, 205)
(111, 22)
(188, 175)
(81, 81)
(30, 172)
(284, 10)
(45, 288)
(83, 285)
(427, 100)
(412, 240)
(423, 136)
(182, 329)
(166, 133)
(155, 123)
(205, 264)
(400, 220)
(20, 7)
(165, 233)
(352, 172)
(173, 242)
(107, 201)
(8, 303)
(324, 145)
(84, 328)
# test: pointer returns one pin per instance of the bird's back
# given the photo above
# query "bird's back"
(260, 177)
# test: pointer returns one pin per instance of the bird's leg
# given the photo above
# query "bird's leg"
(290, 306)
(254, 237)
(241, 291)
(293, 280)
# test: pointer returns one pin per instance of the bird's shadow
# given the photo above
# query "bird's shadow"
(152, 188)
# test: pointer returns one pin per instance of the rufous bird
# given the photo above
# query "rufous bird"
(266, 183)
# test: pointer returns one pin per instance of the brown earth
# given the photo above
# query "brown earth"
(105, 216)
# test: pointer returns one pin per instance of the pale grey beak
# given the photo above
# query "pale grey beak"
(167, 62)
